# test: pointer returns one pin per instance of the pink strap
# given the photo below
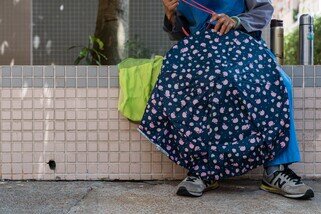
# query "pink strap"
(198, 6)
(185, 32)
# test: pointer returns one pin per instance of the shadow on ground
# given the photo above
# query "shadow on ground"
(233, 196)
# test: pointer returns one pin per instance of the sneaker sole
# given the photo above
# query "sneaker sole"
(182, 191)
(307, 195)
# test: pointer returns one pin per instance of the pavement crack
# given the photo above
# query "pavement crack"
(81, 199)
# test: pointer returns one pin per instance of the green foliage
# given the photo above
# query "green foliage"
(295, 13)
(91, 55)
(136, 49)
(317, 41)
(292, 45)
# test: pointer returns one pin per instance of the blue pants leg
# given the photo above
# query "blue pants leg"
(292, 152)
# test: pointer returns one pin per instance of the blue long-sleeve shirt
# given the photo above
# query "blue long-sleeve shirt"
(257, 15)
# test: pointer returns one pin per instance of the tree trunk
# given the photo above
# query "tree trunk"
(107, 28)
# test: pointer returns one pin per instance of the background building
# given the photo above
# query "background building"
(290, 10)
(40, 32)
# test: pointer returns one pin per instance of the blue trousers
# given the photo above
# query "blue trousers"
(292, 153)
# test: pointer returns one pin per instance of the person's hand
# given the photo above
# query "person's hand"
(224, 23)
(170, 7)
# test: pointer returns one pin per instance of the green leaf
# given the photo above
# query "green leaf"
(77, 61)
(93, 52)
(83, 52)
(103, 56)
(100, 43)
(91, 40)
(72, 47)
(94, 40)
(88, 61)
(97, 62)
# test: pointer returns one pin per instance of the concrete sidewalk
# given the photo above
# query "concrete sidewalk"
(233, 196)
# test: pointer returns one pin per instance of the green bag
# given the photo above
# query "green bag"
(137, 78)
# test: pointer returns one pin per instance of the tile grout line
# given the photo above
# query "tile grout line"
(87, 115)
(314, 121)
(33, 124)
(303, 106)
(108, 121)
(1, 143)
(65, 99)
(11, 120)
(22, 127)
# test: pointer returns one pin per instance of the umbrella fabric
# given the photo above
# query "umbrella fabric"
(219, 107)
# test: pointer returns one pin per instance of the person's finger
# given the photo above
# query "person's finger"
(173, 6)
(226, 27)
(214, 17)
(223, 28)
(165, 2)
(219, 24)
(229, 27)
(169, 3)
(173, 2)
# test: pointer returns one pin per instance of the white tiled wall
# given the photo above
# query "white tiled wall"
(81, 129)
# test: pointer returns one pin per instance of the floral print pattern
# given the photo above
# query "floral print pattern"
(219, 107)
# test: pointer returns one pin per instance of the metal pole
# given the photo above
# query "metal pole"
(306, 39)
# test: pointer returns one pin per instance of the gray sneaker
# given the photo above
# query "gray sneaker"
(285, 182)
(194, 186)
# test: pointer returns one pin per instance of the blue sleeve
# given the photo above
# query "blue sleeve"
(257, 16)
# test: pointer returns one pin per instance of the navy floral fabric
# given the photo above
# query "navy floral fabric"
(219, 107)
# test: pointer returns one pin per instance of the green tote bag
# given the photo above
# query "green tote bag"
(137, 78)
